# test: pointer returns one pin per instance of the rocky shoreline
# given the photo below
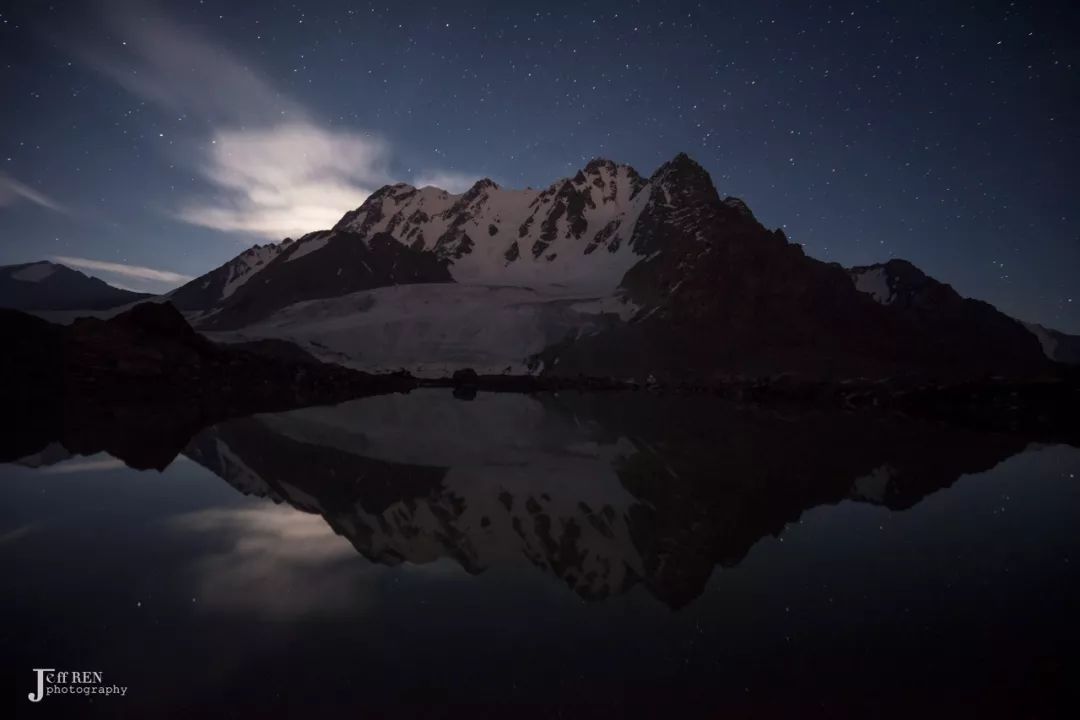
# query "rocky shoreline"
(147, 373)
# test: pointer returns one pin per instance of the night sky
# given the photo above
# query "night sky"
(164, 138)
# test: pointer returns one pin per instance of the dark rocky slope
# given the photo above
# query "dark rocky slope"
(723, 296)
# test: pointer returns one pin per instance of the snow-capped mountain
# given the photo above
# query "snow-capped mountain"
(602, 273)
(483, 279)
(50, 286)
(1058, 346)
(575, 234)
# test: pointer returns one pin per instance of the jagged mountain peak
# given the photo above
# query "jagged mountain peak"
(598, 164)
(739, 206)
(484, 184)
(680, 167)
(894, 265)
(508, 236)
(682, 182)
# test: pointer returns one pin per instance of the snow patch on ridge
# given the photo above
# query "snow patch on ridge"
(875, 283)
(308, 247)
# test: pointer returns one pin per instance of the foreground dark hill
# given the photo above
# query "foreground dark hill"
(49, 286)
(123, 384)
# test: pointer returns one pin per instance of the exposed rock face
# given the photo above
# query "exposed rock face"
(50, 286)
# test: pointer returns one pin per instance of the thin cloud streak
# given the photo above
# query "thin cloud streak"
(13, 191)
(286, 180)
(82, 466)
(173, 67)
(122, 269)
(274, 170)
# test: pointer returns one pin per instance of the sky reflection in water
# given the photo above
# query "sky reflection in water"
(417, 552)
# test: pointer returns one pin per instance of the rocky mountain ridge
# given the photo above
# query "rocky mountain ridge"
(603, 273)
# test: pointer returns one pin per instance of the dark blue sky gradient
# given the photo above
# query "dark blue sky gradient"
(941, 132)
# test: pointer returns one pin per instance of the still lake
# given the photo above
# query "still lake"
(564, 555)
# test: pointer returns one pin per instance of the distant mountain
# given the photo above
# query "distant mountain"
(904, 287)
(602, 273)
(1057, 345)
(50, 286)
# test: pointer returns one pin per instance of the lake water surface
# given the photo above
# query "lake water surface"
(554, 556)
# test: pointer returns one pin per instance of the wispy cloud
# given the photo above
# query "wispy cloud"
(122, 269)
(13, 191)
(274, 168)
(286, 180)
(176, 68)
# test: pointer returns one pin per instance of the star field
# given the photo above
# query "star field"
(171, 136)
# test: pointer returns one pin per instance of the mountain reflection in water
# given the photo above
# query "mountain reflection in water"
(630, 502)
(602, 491)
